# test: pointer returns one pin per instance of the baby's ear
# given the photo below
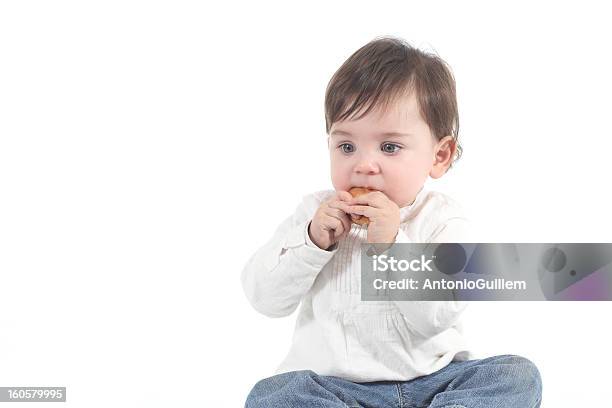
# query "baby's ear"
(444, 152)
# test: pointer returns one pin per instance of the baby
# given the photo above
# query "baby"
(392, 120)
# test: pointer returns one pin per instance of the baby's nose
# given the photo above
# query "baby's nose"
(367, 167)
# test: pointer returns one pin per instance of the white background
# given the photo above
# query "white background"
(147, 149)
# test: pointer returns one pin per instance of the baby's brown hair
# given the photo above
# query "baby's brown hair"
(387, 68)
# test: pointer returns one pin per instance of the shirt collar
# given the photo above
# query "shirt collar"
(406, 211)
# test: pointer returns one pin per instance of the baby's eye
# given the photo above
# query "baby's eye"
(342, 146)
(390, 147)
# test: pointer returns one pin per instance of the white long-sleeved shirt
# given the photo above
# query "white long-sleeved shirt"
(338, 334)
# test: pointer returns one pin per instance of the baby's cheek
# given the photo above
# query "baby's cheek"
(398, 194)
(340, 182)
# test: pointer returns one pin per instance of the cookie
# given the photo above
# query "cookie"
(356, 218)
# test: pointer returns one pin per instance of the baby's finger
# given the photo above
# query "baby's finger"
(341, 216)
(346, 222)
(345, 207)
(344, 214)
(368, 211)
(344, 195)
(334, 211)
(338, 204)
(339, 232)
(374, 199)
(341, 205)
(335, 224)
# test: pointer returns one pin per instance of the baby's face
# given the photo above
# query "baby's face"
(362, 155)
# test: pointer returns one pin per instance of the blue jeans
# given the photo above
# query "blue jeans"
(500, 381)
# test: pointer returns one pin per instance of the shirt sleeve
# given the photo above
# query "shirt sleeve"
(430, 318)
(281, 272)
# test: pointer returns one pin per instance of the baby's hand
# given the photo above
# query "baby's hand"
(330, 223)
(383, 213)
